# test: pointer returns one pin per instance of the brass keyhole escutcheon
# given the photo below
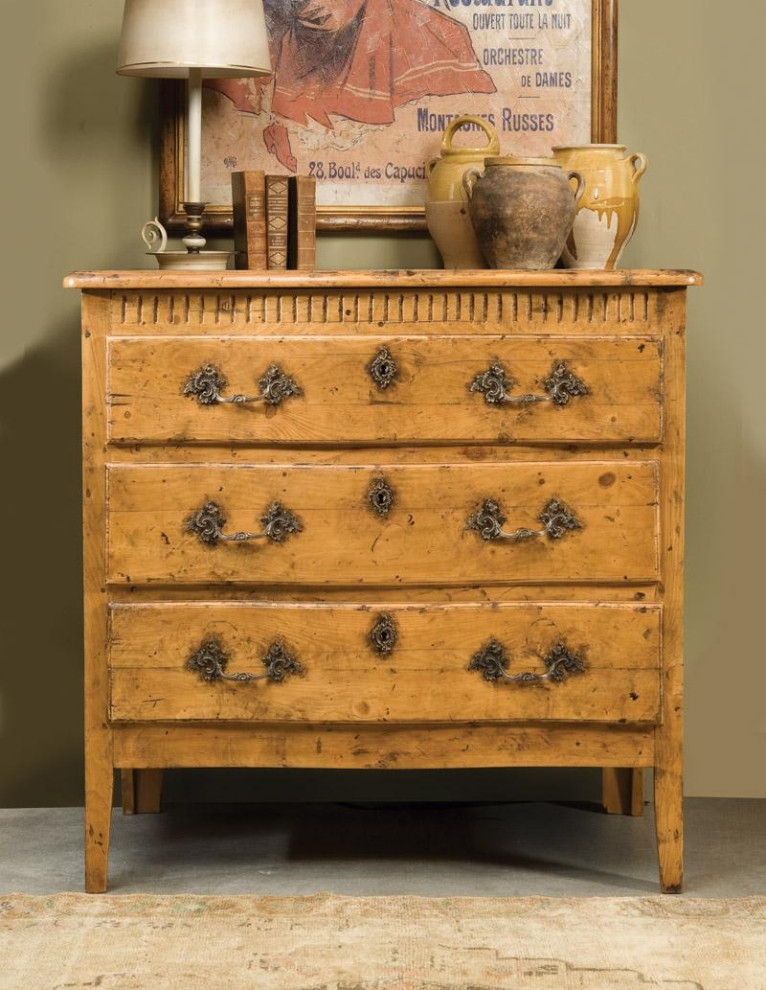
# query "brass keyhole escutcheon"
(383, 369)
(381, 497)
(383, 634)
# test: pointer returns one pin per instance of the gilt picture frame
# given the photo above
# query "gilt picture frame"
(543, 72)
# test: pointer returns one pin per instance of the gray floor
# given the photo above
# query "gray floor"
(431, 850)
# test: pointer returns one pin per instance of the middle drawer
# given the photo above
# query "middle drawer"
(439, 524)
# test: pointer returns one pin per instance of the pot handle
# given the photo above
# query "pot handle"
(431, 165)
(470, 177)
(492, 147)
(640, 164)
(580, 185)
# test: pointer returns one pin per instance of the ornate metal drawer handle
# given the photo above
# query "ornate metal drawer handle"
(560, 662)
(208, 523)
(207, 384)
(560, 386)
(384, 634)
(382, 368)
(555, 517)
(211, 660)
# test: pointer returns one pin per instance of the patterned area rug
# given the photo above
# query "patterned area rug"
(73, 941)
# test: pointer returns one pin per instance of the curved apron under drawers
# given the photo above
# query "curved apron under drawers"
(445, 524)
(388, 663)
(384, 390)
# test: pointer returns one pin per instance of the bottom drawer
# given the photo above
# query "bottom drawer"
(212, 661)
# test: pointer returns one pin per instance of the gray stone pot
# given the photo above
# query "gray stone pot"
(522, 210)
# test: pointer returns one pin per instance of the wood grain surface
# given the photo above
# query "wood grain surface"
(424, 539)
(498, 307)
(429, 278)
(99, 774)
(668, 774)
(429, 399)
(366, 746)
(424, 678)
(611, 590)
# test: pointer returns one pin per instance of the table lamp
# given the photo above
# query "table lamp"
(191, 39)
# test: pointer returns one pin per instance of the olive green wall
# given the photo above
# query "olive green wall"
(79, 168)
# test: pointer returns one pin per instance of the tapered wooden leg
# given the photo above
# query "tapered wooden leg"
(141, 791)
(668, 739)
(622, 790)
(99, 762)
(128, 791)
(669, 826)
(99, 792)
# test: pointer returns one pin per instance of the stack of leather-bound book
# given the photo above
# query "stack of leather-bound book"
(274, 221)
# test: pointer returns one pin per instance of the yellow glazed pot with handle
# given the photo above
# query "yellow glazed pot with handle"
(449, 223)
(608, 210)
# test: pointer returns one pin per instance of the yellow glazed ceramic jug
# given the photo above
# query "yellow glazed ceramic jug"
(446, 208)
(608, 210)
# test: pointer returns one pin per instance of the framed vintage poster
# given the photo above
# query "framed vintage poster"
(361, 91)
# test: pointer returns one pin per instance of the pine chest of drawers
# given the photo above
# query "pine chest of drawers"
(383, 520)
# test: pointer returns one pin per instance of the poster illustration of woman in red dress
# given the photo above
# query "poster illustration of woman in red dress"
(361, 90)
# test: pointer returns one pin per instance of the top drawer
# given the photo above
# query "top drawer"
(384, 390)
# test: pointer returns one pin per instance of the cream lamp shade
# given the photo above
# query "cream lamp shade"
(191, 39)
(168, 38)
